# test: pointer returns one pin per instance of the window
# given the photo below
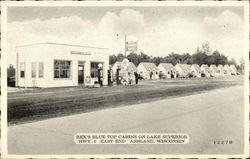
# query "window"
(94, 69)
(62, 69)
(22, 69)
(33, 69)
(40, 72)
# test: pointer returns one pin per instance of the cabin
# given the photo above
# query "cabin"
(196, 70)
(233, 70)
(167, 69)
(60, 65)
(125, 69)
(222, 70)
(227, 70)
(183, 70)
(214, 71)
(148, 70)
(205, 71)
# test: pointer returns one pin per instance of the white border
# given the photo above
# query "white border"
(4, 6)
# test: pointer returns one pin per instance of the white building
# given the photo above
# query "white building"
(148, 70)
(214, 71)
(205, 71)
(233, 70)
(196, 70)
(222, 70)
(59, 65)
(227, 70)
(167, 69)
(126, 67)
(183, 70)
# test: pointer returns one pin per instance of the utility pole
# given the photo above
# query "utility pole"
(125, 46)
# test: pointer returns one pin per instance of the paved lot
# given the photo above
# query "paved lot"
(206, 117)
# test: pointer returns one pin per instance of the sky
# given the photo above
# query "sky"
(159, 30)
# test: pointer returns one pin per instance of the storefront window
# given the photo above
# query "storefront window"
(33, 69)
(22, 69)
(62, 69)
(94, 69)
(41, 69)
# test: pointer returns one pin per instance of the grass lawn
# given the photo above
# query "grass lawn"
(39, 104)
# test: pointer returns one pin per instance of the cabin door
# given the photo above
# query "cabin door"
(80, 74)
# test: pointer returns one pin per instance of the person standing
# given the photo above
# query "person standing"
(136, 77)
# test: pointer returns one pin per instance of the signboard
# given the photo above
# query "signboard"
(131, 45)
(80, 53)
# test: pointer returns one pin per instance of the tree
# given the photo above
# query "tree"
(205, 48)
(112, 59)
(223, 60)
(144, 57)
(186, 58)
(232, 62)
(120, 57)
(199, 57)
(242, 64)
(173, 58)
(158, 60)
(134, 58)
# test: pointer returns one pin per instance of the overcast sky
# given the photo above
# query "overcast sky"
(159, 30)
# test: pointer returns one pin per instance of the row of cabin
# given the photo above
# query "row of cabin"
(59, 65)
(149, 70)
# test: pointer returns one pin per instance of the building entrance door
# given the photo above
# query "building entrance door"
(80, 74)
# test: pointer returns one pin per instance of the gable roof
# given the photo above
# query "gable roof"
(149, 66)
(130, 65)
(233, 68)
(168, 66)
(205, 67)
(226, 67)
(220, 67)
(196, 67)
(186, 68)
(213, 67)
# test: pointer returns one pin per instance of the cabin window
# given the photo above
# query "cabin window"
(33, 69)
(62, 69)
(22, 70)
(41, 69)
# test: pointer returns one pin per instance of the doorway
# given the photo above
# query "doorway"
(80, 74)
